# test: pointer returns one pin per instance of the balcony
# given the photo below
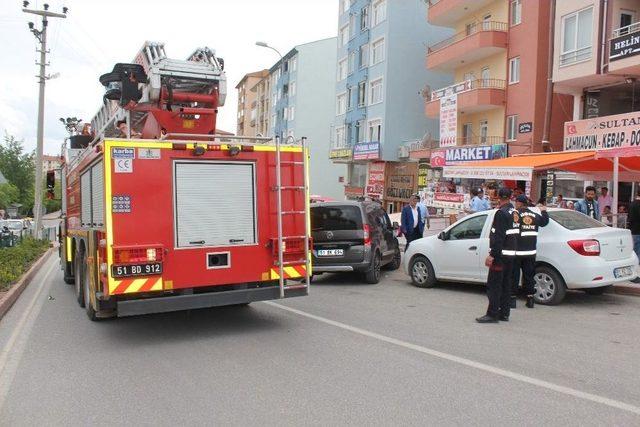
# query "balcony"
(473, 96)
(477, 42)
(447, 12)
(624, 47)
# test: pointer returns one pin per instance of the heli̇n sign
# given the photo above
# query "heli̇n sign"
(621, 130)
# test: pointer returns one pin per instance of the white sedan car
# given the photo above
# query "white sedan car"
(574, 252)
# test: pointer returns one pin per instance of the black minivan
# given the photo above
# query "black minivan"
(353, 236)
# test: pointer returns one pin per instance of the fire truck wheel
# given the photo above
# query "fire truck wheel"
(87, 297)
(68, 273)
(80, 266)
(372, 275)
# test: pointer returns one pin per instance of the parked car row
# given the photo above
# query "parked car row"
(574, 250)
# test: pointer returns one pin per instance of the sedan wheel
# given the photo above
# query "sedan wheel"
(550, 288)
(421, 271)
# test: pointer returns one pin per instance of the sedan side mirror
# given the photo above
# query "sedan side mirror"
(442, 236)
(395, 225)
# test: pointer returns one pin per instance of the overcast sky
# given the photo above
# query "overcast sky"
(99, 33)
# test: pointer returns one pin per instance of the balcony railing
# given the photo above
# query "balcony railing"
(468, 32)
(629, 29)
(466, 86)
(480, 140)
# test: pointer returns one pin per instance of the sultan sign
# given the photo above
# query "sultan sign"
(621, 130)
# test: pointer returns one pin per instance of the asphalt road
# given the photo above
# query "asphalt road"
(349, 354)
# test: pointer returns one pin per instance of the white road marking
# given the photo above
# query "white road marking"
(9, 365)
(467, 362)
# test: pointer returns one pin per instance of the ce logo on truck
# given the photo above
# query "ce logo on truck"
(123, 165)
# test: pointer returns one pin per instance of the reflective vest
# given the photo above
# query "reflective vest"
(505, 229)
(528, 237)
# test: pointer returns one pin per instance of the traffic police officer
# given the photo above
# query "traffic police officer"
(527, 243)
(502, 244)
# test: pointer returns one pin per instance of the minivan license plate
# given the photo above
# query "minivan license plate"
(136, 270)
(330, 252)
(622, 272)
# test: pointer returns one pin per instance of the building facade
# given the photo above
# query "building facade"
(379, 76)
(302, 105)
(248, 103)
(262, 91)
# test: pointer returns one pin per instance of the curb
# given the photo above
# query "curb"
(12, 295)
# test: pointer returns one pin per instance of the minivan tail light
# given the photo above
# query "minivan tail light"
(585, 247)
(367, 234)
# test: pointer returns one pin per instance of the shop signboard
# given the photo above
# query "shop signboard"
(353, 191)
(438, 157)
(401, 181)
(340, 153)
(514, 174)
(624, 46)
(448, 120)
(471, 153)
(448, 200)
(451, 90)
(375, 180)
(423, 174)
(366, 151)
(526, 127)
(617, 131)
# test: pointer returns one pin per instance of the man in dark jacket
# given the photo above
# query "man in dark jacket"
(634, 225)
(411, 222)
(527, 247)
(502, 244)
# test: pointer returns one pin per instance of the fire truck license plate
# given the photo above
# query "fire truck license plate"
(135, 270)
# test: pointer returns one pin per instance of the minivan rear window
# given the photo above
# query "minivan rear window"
(573, 220)
(336, 218)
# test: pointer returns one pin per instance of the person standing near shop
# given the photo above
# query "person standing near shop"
(479, 203)
(526, 248)
(411, 221)
(589, 205)
(633, 219)
(604, 200)
(425, 213)
(502, 244)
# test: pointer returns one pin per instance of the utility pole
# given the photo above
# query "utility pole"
(41, 35)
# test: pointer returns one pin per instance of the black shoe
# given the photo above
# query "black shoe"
(530, 301)
(636, 280)
(504, 318)
(487, 319)
(513, 303)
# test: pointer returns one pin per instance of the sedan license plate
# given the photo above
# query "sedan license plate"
(622, 272)
(136, 270)
(330, 252)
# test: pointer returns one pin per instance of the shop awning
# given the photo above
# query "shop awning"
(521, 167)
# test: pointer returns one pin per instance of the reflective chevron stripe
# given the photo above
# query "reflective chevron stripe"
(130, 286)
(290, 272)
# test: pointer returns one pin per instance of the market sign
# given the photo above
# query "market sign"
(624, 46)
(471, 153)
(375, 180)
(366, 151)
(621, 130)
(516, 174)
(340, 153)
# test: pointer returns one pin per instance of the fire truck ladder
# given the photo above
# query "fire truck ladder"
(305, 189)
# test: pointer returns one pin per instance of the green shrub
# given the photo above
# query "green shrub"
(16, 260)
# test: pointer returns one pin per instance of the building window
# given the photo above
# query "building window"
(352, 62)
(577, 32)
(344, 35)
(484, 131)
(514, 70)
(294, 63)
(364, 18)
(292, 113)
(375, 130)
(362, 93)
(467, 133)
(379, 11)
(375, 92)
(292, 89)
(364, 55)
(360, 131)
(341, 104)
(344, 6)
(512, 127)
(350, 98)
(342, 69)
(516, 12)
(377, 52)
(352, 26)
(340, 141)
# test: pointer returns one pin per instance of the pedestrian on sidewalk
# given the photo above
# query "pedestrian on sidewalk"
(479, 202)
(604, 200)
(633, 219)
(502, 251)
(589, 205)
(424, 210)
(526, 248)
(411, 222)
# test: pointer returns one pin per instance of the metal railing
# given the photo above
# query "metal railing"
(480, 140)
(577, 55)
(468, 32)
(468, 85)
(629, 29)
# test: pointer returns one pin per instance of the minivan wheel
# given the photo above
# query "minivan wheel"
(373, 275)
(550, 287)
(396, 262)
(422, 274)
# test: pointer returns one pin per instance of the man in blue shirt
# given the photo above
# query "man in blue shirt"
(424, 212)
(479, 203)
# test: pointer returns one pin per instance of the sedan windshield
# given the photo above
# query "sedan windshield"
(573, 220)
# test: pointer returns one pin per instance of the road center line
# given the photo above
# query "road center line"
(22, 326)
(467, 362)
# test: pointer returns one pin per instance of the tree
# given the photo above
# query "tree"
(55, 204)
(9, 194)
(18, 168)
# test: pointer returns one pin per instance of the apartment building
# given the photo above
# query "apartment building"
(248, 103)
(379, 77)
(499, 56)
(262, 91)
(302, 105)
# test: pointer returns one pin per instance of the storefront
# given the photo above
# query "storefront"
(401, 181)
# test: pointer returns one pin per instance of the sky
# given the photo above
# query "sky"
(98, 33)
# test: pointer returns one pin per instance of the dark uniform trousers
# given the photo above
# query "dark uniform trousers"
(499, 287)
(528, 266)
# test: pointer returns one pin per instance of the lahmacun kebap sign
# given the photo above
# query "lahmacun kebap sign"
(621, 130)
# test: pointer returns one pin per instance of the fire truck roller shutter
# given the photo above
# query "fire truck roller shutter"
(85, 199)
(215, 203)
(97, 195)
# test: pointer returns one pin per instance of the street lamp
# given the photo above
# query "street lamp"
(263, 44)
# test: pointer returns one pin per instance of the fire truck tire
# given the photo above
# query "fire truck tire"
(372, 276)
(80, 266)
(86, 289)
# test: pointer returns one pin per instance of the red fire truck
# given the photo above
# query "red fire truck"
(163, 214)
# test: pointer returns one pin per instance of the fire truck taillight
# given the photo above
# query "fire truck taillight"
(132, 255)
(247, 148)
(178, 146)
(151, 254)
